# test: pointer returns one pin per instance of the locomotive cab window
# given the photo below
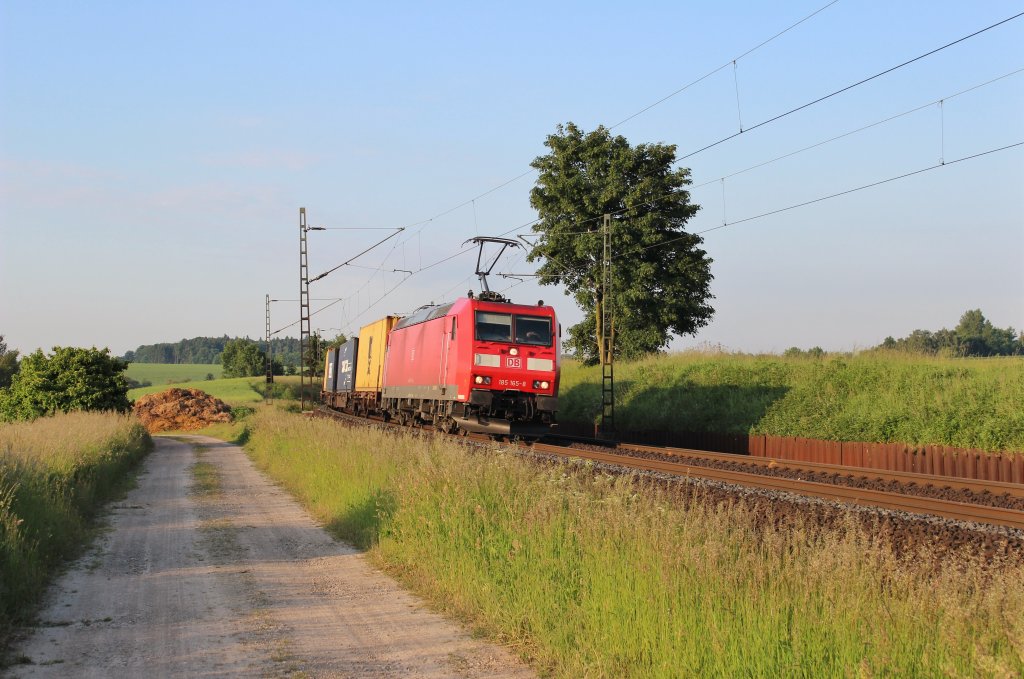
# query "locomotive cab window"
(492, 327)
(533, 330)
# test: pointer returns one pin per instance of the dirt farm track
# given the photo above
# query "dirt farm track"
(236, 582)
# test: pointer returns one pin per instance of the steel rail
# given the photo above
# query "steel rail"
(915, 504)
(957, 483)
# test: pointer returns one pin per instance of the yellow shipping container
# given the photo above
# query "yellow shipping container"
(370, 361)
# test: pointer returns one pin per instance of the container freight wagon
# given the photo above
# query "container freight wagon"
(330, 372)
(475, 365)
(373, 340)
(339, 374)
(358, 370)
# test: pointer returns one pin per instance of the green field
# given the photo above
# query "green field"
(161, 374)
(966, 402)
(587, 574)
(235, 390)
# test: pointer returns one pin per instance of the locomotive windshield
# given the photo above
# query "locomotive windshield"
(533, 330)
(494, 327)
(491, 327)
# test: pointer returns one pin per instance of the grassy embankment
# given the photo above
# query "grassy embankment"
(589, 577)
(162, 374)
(55, 473)
(968, 403)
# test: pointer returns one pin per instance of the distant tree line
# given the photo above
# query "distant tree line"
(246, 358)
(209, 350)
(973, 336)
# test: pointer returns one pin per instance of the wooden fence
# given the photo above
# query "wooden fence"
(938, 460)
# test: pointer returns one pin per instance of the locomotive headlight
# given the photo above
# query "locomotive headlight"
(513, 351)
(478, 379)
(545, 384)
(487, 380)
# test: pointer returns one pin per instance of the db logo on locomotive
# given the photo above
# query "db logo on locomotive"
(513, 362)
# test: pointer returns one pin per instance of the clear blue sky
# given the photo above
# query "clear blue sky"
(153, 157)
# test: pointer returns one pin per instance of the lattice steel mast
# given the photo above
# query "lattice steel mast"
(607, 334)
(303, 308)
(270, 358)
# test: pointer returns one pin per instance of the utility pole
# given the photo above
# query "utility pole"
(607, 335)
(303, 308)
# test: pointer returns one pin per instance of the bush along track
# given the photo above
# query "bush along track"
(593, 574)
(55, 474)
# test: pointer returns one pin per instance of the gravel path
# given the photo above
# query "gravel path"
(236, 582)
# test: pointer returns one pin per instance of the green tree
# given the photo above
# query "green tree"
(315, 355)
(8, 363)
(336, 342)
(661, 276)
(978, 337)
(70, 379)
(243, 358)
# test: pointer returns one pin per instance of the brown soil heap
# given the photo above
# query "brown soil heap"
(180, 409)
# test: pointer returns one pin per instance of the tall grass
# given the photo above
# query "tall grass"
(590, 575)
(55, 473)
(968, 403)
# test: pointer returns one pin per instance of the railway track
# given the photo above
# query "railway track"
(915, 504)
(907, 492)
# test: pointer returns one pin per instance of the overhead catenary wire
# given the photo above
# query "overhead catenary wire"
(706, 147)
(852, 132)
(834, 93)
(855, 189)
(723, 66)
(472, 201)
(784, 156)
(667, 242)
(795, 206)
(355, 257)
(735, 222)
(763, 123)
(461, 251)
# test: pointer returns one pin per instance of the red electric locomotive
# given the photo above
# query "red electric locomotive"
(480, 364)
(476, 364)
